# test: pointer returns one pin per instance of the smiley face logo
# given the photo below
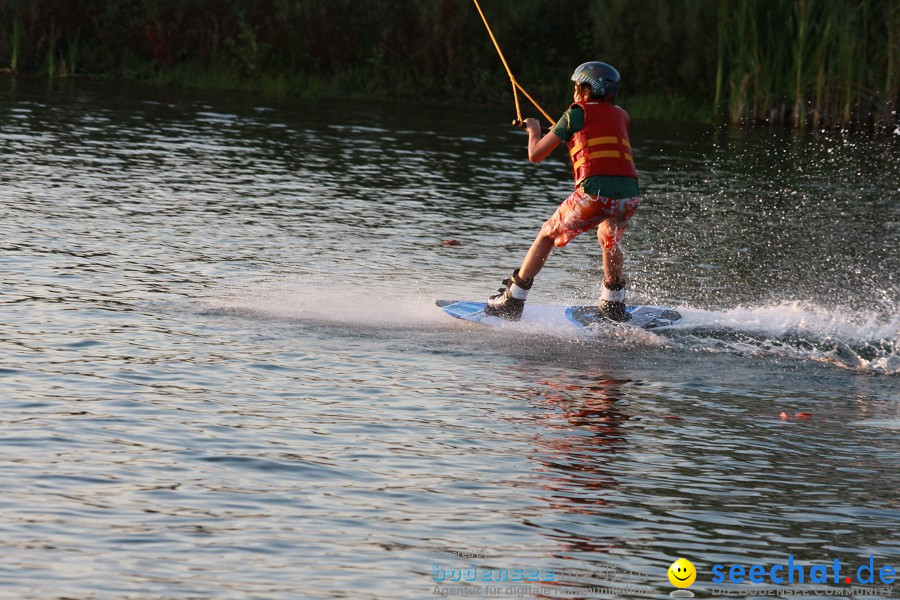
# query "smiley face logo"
(682, 573)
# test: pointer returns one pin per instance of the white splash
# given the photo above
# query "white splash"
(866, 341)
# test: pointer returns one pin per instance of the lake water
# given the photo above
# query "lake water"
(223, 374)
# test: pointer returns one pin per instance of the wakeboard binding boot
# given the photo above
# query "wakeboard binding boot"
(612, 301)
(509, 301)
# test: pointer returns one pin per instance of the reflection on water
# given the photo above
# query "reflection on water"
(224, 374)
(587, 429)
(631, 474)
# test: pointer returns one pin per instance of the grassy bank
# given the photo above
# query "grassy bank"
(804, 63)
(837, 65)
(405, 87)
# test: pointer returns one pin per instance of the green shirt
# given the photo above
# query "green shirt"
(611, 186)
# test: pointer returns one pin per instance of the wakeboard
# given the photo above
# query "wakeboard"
(576, 318)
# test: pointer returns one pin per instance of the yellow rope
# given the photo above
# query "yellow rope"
(515, 84)
(536, 105)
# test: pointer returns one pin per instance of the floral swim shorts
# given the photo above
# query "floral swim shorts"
(580, 212)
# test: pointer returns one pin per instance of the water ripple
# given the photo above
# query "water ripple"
(224, 374)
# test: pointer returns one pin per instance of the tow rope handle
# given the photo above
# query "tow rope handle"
(516, 87)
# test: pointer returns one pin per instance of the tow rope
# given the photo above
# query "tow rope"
(516, 87)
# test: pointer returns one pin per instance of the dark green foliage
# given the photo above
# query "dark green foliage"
(810, 62)
(801, 62)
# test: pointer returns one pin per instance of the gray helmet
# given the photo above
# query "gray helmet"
(604, 79)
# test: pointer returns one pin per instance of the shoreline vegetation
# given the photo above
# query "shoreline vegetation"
(806, 64)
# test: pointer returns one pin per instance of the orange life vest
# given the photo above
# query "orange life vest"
(602, 146)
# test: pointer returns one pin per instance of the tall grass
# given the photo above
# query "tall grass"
(891, 87)
(800, 63)
(11, 34)
(831, 61)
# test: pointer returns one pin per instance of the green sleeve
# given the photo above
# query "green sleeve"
(571, 121)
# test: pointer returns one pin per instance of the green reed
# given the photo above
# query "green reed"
(799, 63)
(810, 63)
(12, 32)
